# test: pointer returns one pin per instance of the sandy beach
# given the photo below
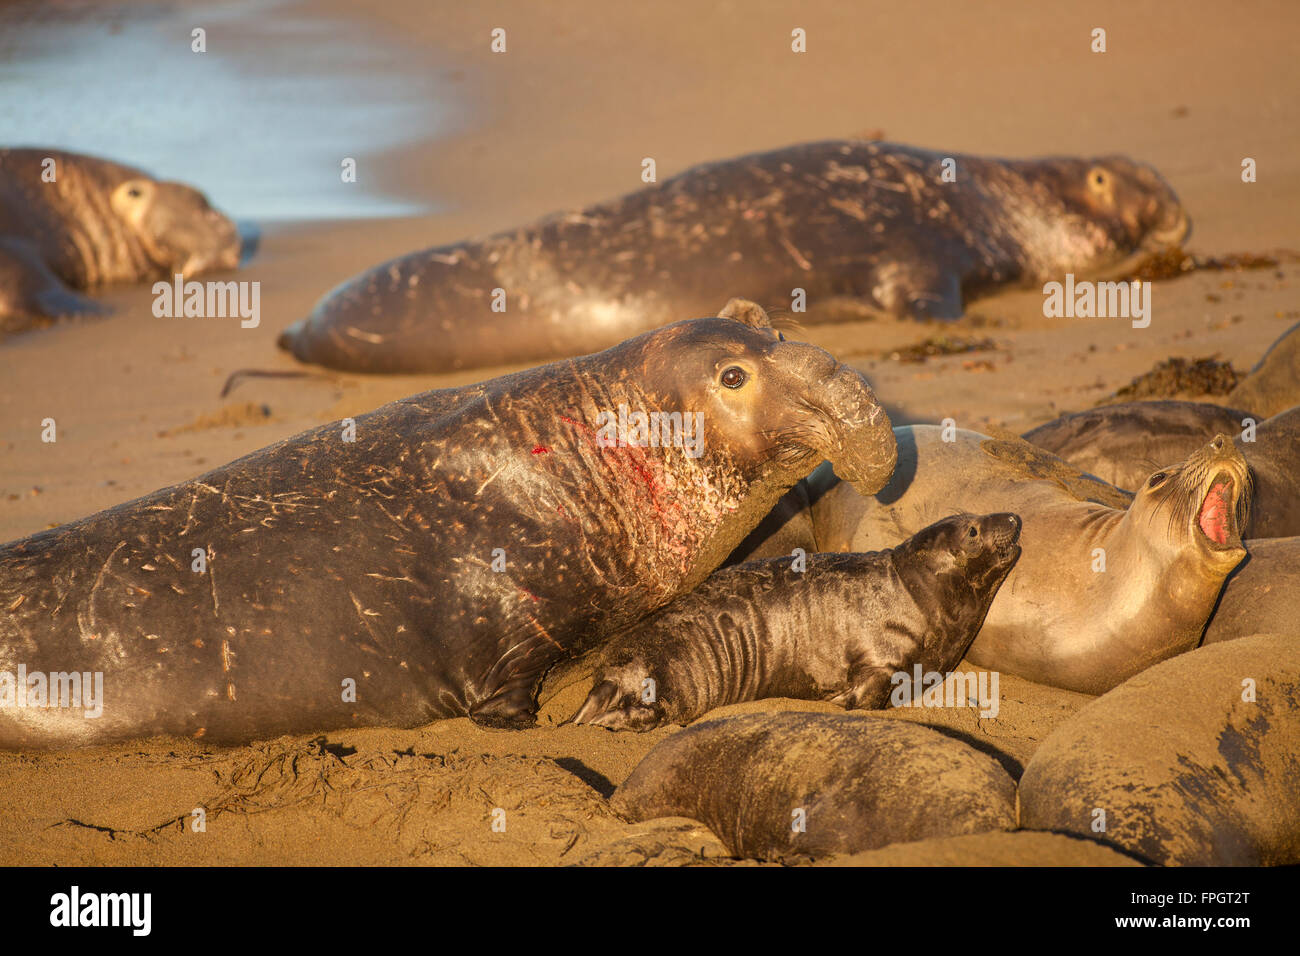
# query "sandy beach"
(564, 118)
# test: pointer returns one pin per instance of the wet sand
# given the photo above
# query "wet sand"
(561, 120)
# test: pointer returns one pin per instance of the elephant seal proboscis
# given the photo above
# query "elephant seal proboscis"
(839, 629)
(1103, 587)
(859, 226)
(1193, 762)
(1124, 443)
(1262, 595)
(779, 786)
(438, 563)
(97, 222)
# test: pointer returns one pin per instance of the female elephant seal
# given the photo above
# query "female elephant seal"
(1273, 385)
(97, 222)
(1214, 785)
(1103, 588)
(1124, 443)
(775, 786)
(466, 540)
(870, 226)
(838, 630)
(1262, 595)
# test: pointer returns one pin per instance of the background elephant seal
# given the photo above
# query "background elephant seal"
(466, 540)
(1214, 785)
(1059, 619)
(1262, 595)
(859, 226)
(854, 782)
(839, 630)
(1124, 443)
(1273, 385)
(98, 222)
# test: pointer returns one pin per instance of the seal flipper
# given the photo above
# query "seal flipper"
(868, 688)
(31, 294)
(918, 287)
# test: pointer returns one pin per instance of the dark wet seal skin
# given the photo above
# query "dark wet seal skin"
(1123, 444)
(372, 560)
(1058, 619)
(837, 631)
(859, 226)
(1188, 771)
(861, 782)
(1262, 595)
(99, 222)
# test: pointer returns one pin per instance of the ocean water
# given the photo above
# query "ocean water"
(261, 122)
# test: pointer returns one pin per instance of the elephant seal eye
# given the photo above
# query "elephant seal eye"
(1156, 479)
(733, 377)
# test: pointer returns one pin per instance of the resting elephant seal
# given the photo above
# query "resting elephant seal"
(97, 222)
(1124, 443)
(1273, 385)
(1103, 588)
(1262, 595)
(1193, 762)
(774, 786)
(441, 561)
(839, 630)
(858, 226)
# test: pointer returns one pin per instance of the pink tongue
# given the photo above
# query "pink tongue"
(1214, 514)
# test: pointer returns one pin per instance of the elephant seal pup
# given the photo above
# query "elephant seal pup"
(97, 222)
(1124, 443)
(1262, 595)
(441, 561)
(1273, 385)
(774, 786)
(1100, 591)
(1214, 785)
(856, 225)
(839, 630)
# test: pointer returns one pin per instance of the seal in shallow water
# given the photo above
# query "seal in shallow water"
(859, 226)
(464, 542)
(97, 222)
(838, 630)
(1103, 588)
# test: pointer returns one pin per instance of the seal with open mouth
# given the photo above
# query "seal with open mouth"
(861, 227)
(439, 563)
(1123, 443)
(97, 222)
(1103, 589)
(838, 630)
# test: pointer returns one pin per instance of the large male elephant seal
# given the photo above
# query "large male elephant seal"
(97, 222)
(1124, 443)
(1194, 762)
(1103, 587)
(441, 561)
(776, 786)
(839, 629)
(874, 226)
(1262, 595)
